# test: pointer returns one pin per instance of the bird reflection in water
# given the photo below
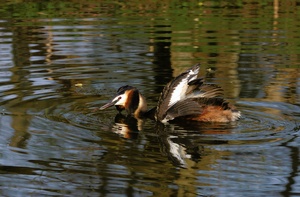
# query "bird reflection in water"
(182, 143)
(127, 126)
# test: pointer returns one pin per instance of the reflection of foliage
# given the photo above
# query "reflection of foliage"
(69, 9)
(33, 9)
(193, 27)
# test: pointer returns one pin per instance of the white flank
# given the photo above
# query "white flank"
(236, 115)
(164, 121)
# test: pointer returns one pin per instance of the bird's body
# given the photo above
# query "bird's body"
(185, 97)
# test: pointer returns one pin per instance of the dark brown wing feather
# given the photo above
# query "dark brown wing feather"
(183, 108)
(211, 91)
(194, 85)
(213, 102)
(198, 88)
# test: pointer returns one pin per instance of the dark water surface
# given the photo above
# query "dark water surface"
(61, 59)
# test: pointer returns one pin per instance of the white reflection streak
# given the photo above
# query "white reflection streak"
(177, 151)
(49, 45)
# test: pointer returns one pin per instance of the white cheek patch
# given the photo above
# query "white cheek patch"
(121, 100)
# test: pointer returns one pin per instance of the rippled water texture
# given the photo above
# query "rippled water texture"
(60, 60)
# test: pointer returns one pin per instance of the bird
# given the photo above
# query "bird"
(186, 97)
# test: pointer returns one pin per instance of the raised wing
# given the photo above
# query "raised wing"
(175, 91)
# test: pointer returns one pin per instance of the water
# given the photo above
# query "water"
(60, 60)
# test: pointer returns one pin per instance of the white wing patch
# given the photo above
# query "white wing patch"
(180, 90)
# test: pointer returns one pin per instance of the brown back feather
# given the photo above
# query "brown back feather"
(194, 106)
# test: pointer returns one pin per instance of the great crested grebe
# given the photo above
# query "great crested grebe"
(185, 97)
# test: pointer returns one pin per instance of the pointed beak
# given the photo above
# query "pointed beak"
(107, 105)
